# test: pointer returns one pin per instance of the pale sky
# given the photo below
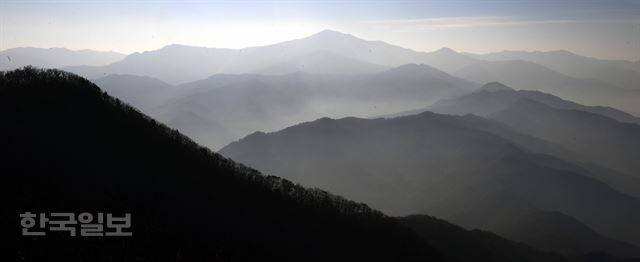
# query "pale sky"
(603, 29)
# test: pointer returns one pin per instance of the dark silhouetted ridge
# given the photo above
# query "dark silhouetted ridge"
(69, 147)
(477, 245)
(472, 171)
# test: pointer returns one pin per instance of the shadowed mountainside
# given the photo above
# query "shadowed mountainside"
(603, 140)
(481, 245)
(71, 148)
(187, 203)
(495, 97)
(458, 168)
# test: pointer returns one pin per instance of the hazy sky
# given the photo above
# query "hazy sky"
(605, 29)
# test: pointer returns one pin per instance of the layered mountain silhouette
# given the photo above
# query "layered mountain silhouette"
(81, 150)
(322, 62)
(327, 52)
(543, 155)
(495, 96)
(471, 171)
(526, 75)
(54, 57)
(223, 108)
(554, 231)
(585, 80)
(481, 245)
(623, 74)
(603, 140)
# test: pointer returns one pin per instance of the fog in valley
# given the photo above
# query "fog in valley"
(513, 143)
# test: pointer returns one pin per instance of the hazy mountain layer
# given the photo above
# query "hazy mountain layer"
(145, 93)
(443, 165)
(54, 57)
(327, 52)
(223, 108)
(525, 75)
(622, 74)
(585, 80)
(603, 140)
(494, 97)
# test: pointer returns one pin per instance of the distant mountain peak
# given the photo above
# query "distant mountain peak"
(495, 87)
(416, 70)
(562, 51)
(446, 50)
(179, 46)
(331, 33)
(414, 67)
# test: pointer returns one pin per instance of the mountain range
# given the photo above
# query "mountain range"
(495, 96)
(526, 75)
(327, 52)
(543, 156)
(623, 74)
(84, 150)
(586, 133)
(586, 80)
(223, 108)
(603, 140)
(582, 79)
(55, 57)
(474, 172)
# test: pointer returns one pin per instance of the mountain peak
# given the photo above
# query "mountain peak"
(413, 67)
(562, 51)
(416, 69)
(495, 87)
(177, 46)
(446, 50)
(331, 33)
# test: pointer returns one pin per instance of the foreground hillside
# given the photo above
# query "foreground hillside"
(68, 147)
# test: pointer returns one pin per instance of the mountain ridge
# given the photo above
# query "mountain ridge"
(14, 58)
(255, 59)
(241, 104)
(163, 178)
(412, 165)
(241, 214)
